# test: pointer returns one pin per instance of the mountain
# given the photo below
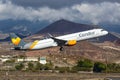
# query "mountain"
(23, 27)
(64, 26)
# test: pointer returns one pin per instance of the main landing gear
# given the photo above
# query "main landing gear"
(61, 48)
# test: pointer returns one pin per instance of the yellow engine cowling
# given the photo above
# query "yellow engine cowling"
(71, 42)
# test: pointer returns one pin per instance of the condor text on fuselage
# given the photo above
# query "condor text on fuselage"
(86, 34)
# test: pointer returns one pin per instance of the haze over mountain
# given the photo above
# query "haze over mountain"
(21, 26)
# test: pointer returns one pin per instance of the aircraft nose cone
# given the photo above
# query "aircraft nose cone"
(106, 32)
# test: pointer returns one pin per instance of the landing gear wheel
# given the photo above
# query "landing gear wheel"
(61, 48)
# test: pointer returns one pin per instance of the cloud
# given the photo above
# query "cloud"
(105, 12)
(56, 3)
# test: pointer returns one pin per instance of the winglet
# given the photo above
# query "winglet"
(50, 35)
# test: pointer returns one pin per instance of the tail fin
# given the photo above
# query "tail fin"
(17, 41)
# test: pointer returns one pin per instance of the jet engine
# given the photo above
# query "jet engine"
(71, 42)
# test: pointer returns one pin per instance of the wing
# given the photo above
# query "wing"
(60, 42)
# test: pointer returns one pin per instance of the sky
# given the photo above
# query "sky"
(90, 11)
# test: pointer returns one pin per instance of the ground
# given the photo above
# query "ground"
(105, 52)
(54, 76)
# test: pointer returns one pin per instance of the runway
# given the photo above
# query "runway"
(113, 78)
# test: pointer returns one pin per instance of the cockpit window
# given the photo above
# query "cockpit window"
(102, 30)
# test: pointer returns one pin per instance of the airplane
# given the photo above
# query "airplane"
(65, 40)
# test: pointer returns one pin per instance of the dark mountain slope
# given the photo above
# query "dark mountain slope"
(64, 26)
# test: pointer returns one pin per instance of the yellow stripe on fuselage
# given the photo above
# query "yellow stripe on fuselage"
(16, 41)
(33, 44)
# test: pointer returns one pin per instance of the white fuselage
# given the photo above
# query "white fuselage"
(75, 36)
